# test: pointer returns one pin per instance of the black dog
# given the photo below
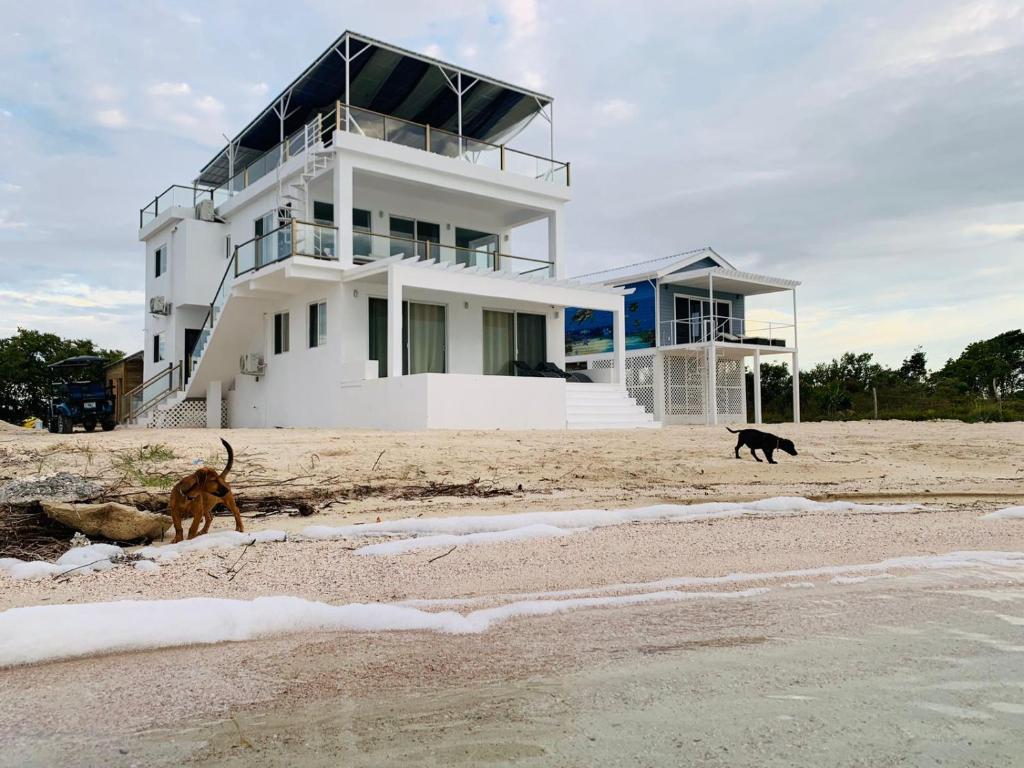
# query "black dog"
(765, 441)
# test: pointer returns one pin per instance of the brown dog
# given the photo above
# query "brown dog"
(199, 494)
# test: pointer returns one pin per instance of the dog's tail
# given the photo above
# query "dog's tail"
(734, 431)
(231, 459)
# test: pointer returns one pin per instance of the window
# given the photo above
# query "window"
(160, 260)
(475, 249)
(403, 230)
(323, 213)
(282, 333)
(362, 243)
(159, 348)
(318, 324)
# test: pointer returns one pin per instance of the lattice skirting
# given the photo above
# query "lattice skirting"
(186, 414)
(684, 385)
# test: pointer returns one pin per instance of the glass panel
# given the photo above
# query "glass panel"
(362, 244)
(444, 143)
(400, 132)
(481, 153)
(366, 123)
(426, 323)
(427, 235)
(475, 249)
(531, 339)
(499, 342)
(379, 334)
(265, 164)
(404, 232)
(315, 241)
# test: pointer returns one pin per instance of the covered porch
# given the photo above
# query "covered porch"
(710, 328)
(441, 345)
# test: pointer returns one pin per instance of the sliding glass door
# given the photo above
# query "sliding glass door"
(499, 342)
(510, 336)
(694, 319)
(424, 335)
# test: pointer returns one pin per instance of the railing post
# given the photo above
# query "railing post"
(319, 127)
(337, 116)
(567, 178)
(426, 138)
(502, 148)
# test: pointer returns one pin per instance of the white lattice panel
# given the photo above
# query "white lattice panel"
(684, 385)
(729, 379)
(186, 414)
(639, 377)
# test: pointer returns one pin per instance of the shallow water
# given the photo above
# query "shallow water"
(925, 670)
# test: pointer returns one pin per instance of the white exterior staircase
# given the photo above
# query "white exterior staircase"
(604, 406)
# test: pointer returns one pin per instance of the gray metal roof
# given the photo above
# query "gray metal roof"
(643, 270)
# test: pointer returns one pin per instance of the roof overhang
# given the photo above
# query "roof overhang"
(654, 269)
(387, 79)
(731, 281)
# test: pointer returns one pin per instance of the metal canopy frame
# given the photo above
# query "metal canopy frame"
(501, 103)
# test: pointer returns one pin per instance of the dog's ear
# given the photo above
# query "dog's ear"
(189, 484)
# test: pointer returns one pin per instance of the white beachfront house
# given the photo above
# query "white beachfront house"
(349, 259)
(690, 335)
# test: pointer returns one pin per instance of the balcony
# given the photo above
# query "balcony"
(367, 247)
(724, 330)
(375, 125)
(177, 196)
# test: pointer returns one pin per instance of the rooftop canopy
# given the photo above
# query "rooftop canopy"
(390, 80)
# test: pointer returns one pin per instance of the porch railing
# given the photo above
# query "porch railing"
(367, 246)
(296, 238)
(376, 125)
(736, 330)
(178, 196)
(152, 391)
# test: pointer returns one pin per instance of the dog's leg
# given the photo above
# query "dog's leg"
(176, 519)
(768, 453)
(208, 514)
(739, 444)
(197, 515)
(229, 502)
(754, 454)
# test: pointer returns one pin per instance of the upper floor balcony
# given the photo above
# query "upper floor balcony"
(376, 125)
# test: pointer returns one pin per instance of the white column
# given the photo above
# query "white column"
(342, 206)
(659, 385)
(619, 343)
(796, 367)
(712, 359)
(556, 242)
(213, 398)
(796, 388)
(757, 386)
(556, 336)
(394, 322)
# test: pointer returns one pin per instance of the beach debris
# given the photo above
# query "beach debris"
(110, 520)
(80, 540)
(61, 486)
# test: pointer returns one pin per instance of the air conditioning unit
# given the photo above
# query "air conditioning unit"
(204, 210)
(252, 364)
(158, 305)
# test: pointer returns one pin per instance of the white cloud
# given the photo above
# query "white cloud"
(617, 109)
(9, 221)
(111, 118)
(468, 52)
(169, 89)
(189, 18)
(259, 89)
(209, 104)
(434, 51)
(105, 92)
(7, 186)
(523, 18)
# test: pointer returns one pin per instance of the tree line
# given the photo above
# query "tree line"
(985, 383)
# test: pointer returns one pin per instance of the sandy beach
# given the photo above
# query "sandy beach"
(804, 578)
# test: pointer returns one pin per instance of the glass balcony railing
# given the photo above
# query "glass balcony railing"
(394, 130)
(370, 247)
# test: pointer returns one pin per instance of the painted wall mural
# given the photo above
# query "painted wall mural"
(589, 332)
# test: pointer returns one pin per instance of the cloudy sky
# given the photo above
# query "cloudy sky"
(873, 150)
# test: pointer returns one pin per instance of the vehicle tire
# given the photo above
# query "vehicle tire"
(64, 424)
(52, 424)
(89, 425)
(108, 424)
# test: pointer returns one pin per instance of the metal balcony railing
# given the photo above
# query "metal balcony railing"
(735, 330)
(367, 246)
